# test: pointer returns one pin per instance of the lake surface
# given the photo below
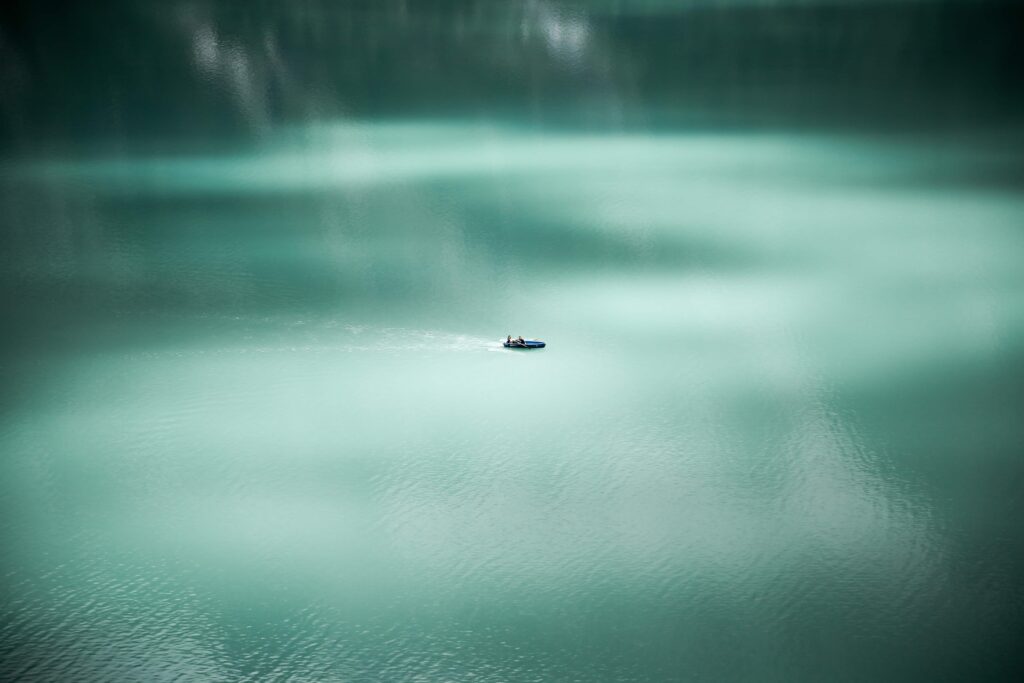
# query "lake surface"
(256, 421)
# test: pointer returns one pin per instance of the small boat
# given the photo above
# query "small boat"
(525, 344)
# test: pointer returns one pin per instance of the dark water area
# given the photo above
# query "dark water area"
(257, 260)
(188, 73)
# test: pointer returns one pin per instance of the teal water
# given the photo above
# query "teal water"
(256, 422)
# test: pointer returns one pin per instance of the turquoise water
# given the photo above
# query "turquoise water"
(257, 424)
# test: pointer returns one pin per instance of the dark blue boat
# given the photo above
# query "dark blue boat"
(527, 344)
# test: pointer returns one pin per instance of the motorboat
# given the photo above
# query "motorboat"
(525, 344)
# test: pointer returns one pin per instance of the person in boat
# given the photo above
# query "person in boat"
(521, 341)
(508, 340)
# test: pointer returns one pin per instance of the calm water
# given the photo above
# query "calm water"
(256, 422)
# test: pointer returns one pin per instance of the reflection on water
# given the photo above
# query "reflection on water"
(257, 423)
